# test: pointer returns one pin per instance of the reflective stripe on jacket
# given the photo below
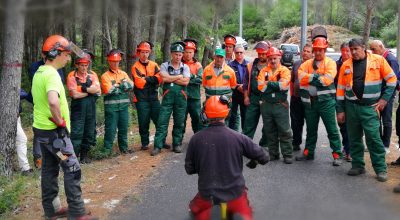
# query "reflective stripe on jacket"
(223, 84)
(274, 85)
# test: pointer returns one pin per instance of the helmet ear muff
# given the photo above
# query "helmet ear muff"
(53, 52)
(223, 46)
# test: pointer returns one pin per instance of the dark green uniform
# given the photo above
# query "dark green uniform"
(173, 102)
(193, 94)
(253, 111)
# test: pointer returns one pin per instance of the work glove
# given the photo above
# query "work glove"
(62, 130)
(252, 164)
(89, 82)
(151, 79)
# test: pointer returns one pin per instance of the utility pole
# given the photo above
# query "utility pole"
(303, 24)
(240, 18)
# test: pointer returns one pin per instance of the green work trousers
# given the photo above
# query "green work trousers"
(326, 110)
(83, 123)
(194, 109)
(147, 110)
(174, 102)
(277, 129)
(116, 120)
(253, 113)
(363, 119)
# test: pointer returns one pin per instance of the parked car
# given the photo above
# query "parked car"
(243, 42)
(334, 56)
(290, 54)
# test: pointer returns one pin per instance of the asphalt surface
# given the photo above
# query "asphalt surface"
(313, 190)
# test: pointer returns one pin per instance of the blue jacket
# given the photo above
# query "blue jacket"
(23, 95)
(392, 60)
(35, 66)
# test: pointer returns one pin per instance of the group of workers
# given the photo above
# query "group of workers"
(356, 93)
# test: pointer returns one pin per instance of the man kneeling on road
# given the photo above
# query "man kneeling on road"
(215, 154)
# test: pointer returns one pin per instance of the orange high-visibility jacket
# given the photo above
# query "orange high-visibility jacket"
(377, 70)
(223, 84)
(116, 97)
(75, 81)
(274, 85)
(322, 78)
(147, 80)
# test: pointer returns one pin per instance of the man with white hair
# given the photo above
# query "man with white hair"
(377, 47)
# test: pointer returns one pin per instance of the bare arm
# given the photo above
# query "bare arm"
(168, 78)
(54, 104)
(93, 89)
(183, 81)
(76, 95)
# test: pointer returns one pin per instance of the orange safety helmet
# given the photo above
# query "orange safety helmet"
(217, 107)
(320, 42)
(229, 39)
(85, 59)
(262, 47)
(273, 51)
(144, 46)
(114, 55)
(56, 42)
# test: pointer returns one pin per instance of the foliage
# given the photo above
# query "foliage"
(388, 33)
(10, 192)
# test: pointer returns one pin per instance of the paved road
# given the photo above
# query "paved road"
(302, 191)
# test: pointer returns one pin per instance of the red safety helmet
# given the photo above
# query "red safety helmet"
(320, 42)
(262, 46)
(56, 42)
(85, 59)
(144, 46)
(114, 55)
(217, 107)
(229, 40)
(273, 51)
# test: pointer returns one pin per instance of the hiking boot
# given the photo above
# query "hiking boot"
(396, 189)
(166, 146)
(336, 159)
(336, 162)
(129, 151)
(355, 171)
(62, 213)
(144, 147)
(178, 149)
(347, 158)
(155, 151)
(37, 161)
(296, 147)
(396, 162)
(273, 157)
(382, 176)
(304, 158)
(27, 172)
(84, 217)
(288, 160)
(84, 157)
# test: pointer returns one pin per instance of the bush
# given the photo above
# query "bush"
(10, 192)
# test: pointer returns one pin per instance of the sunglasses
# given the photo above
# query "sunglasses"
(238, 52)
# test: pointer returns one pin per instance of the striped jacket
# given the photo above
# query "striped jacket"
(221, 84)
(116, 97)
(274, 85)
(377, 71)
(322, 79)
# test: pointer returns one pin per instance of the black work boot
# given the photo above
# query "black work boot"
(178, 149)
(155, 151)
(144, 147)
(166, 146)
(288, 160)
(355, 171)
(396, 189)
(59, 214)
(84, 159)
(382, 176)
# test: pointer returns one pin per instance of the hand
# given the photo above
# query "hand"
(240, 88)
(61, 123)
(252, 164)
(116, 85)
(341, 118)
(246, 101)
(88, 82)
(380, 105)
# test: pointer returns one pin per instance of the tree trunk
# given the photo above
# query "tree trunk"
(351, 15)
(106, 41)
(87, 26)
(167, 31)
(133, 35)
(153, 25)
(184, 18)
(10, 81)
(210, 44)
(368, 19)
(122, 32)
(319, 12)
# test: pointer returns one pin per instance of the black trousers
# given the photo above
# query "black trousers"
(297, 117)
